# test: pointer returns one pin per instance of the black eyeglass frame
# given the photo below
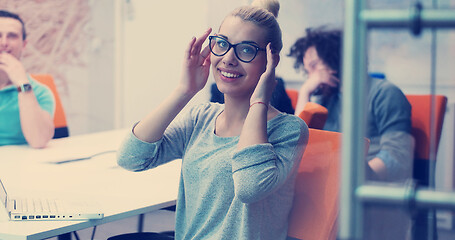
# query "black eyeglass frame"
(235, 49)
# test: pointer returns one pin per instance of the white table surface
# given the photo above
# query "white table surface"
(34, 172)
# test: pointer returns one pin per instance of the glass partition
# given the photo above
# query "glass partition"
(400, 49)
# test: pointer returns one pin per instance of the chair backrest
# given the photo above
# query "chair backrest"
(315, 210)
(314, 115)
(420, 118)
(61, 127)
(293, 95)
(422, 129)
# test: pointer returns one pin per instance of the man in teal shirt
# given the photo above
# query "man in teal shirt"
(26, 106)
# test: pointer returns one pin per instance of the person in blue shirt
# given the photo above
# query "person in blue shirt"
(240, 158)
(26, 106)
(391, 148)
(388, 126)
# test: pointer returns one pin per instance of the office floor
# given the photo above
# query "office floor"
(164, 221)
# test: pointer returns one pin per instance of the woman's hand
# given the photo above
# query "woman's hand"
(267, 82)
(196, 67)
(254, 129)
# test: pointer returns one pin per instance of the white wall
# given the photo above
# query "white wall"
(155, 35)
(101, 87)
(89, 95)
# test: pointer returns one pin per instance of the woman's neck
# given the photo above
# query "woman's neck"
(230, 122)
(236, 109)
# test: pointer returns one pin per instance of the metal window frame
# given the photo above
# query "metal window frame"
(358, 20)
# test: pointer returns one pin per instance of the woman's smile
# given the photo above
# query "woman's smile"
(229, 75)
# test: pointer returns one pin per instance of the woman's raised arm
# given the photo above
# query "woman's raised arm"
(254, 129)
(196, 68)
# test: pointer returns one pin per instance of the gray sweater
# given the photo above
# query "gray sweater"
(388, 126)
(225, 193)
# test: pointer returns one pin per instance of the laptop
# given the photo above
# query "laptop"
(39, 209)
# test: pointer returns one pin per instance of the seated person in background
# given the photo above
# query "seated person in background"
(391, 149)
(280, 100)
(240, 158)
(390, 155)
(26, 106)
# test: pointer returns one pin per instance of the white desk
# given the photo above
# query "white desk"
(33, 172)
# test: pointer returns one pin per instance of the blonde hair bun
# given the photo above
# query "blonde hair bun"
(273, 6)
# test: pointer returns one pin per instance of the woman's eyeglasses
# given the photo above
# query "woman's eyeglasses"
(245, 52)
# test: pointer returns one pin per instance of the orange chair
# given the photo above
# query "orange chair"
(421, 130)
(315, 210)
(293, 95)
(61, 127)
(314, 115)
(425, 151)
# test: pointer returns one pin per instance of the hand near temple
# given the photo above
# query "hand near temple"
(196, 66)
(267, 82)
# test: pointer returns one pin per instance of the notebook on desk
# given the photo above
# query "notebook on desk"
(20, 209)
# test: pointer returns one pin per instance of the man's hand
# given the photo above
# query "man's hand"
(322, 76)
(13, 68)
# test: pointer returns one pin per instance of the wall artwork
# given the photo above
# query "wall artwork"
(57, 35)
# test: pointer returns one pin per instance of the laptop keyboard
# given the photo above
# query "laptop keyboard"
(35, 205)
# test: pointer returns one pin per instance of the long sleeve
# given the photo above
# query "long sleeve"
(258, 170)
(389, 129)
(137, 155)
(388, 126)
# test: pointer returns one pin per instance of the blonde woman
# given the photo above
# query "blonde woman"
(239, 159)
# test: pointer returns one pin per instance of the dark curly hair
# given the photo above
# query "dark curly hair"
(328, 44)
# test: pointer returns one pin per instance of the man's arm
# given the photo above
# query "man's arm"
(392, 116)
(37, 124)
(322, 76)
